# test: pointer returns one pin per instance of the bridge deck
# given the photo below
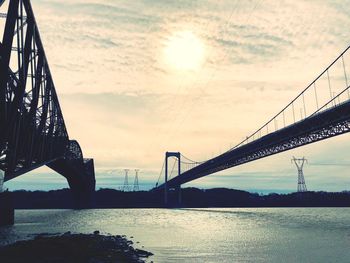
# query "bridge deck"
(323, 125)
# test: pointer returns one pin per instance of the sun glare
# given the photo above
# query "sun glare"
(184, 51)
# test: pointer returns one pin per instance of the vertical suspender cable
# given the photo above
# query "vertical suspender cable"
(346, 77)
(304, 106)
(316, 95)
(161, 171)
(301, 114)
(329, 85)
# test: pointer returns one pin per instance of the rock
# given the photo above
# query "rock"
(143, 253)
(72, 248)
(96, 232)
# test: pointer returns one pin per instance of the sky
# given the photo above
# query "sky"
(138, 78)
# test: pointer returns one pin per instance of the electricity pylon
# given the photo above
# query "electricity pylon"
(126, 186)
(299, 163)
(136, 181)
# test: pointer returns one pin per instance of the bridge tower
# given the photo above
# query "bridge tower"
(178, 189)
(299, 163)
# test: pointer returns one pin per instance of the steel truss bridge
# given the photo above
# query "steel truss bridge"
(32, 128)
(319, 112)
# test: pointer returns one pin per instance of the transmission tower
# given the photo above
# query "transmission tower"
(299, 163)
(136, 181)
(126, 186)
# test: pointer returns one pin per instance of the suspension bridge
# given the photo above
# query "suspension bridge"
(320, 111)
(33, 131)
(32, 127)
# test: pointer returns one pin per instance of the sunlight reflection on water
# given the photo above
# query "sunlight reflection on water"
(206, 235)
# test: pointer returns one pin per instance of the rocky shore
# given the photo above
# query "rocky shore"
(73, 248)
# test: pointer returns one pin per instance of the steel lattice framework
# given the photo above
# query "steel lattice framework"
(299, 163)
(32, 128)
(324, 125)
(329, 120)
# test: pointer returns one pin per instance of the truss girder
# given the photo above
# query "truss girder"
(324, 125)
(32, 128)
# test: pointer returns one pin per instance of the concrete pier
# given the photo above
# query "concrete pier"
(80, 175)
(7, 211)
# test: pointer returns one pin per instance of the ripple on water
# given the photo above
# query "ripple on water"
(208, 235)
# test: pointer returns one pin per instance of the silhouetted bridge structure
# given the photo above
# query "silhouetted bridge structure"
(33, 132)
(324, 108)
(32, 127)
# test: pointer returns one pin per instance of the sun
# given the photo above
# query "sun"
(184, 51)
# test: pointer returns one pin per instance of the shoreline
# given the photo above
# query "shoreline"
(73, 248)
(191, 198)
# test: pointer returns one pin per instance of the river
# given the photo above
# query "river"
(206, 235)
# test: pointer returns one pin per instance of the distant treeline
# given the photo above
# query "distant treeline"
(191, 197)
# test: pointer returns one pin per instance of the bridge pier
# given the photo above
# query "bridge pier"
(179, 195)
(7, 211)
(80, 177)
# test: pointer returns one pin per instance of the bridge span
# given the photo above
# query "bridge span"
(325, 114)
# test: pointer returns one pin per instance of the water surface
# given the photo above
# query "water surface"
(206, 235)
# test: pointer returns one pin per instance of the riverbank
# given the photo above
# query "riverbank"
(191, 198)
(73, 248)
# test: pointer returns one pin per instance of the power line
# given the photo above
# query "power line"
(329, 164)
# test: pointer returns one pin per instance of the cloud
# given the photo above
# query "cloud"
(127, 107)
